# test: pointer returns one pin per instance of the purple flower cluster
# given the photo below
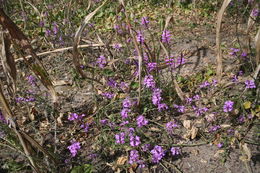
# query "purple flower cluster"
(214, 128)
(179, 108)
(255, 12)
(22, 99)
(101, 61)
(149, 81)
(200, 111)
(134, 141)
(75, 116)
(234, 51)
(141, 121)
(108, 95)
(170, 126)
(140, 37)
(166, 36)
(145, 21)
(74, 147)
(151, 66)
(250, 84)
(32, 80)
(134, 156)
(157, 153)
(120, 138)
(228, 106)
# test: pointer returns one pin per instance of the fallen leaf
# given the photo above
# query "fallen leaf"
(194, 132)
(187, 124)
(121, 160)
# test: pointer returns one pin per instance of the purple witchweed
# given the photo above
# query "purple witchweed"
(124, 113)
(151, 66)
(228, 106)
(74, 147)
(166, 36)
(157, 154)
(220, 145)
(134, 156)
(141, 121)
(149, 81)
(255, 12)
(146, 147)
(234, 51)
(101, 61)
(180, 108)
(214, 128)
(127, 103)
(140, 37)
(205, 84)
(108, 95)
(250, 84)
(135, 141)
(170, 126)
(145, 21)
(162, 106)
(156, 97)
(175, 151)
(120, 138)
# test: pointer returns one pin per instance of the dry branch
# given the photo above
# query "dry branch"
(218, 39)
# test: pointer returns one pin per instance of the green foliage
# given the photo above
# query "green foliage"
(86, 168)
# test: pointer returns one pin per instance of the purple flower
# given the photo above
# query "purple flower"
(32, 80)
(104, 122)
(74, 148)
(235, 78)
(214, 128)
(47, 32)
(255, 12)
(205, 84)
(244, 54)
(101, 61)
(241, 119)
(140, 37)
(200, 111)
(234, 51)
(141, 121)
(250, 84)
(85, 126)
(134, 156)
(180, 108)
(170, 126)
(156, 97)
(145, 21)
(149, 81)
(124, 86)
(228, 106)
(151, 66)
(146, 147)
(108, 95)
(135, 141)
(189, 100)
(73, 116)
(120, 138)
(162, 106)
(175, 151)
(220, 145)
(55, 28)
(124, 123)
(41, 23)
(127, 103)
(117, 47)
(112, 83)
(157, 153)
(166, 36)
(196, 97)
(124, 113)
